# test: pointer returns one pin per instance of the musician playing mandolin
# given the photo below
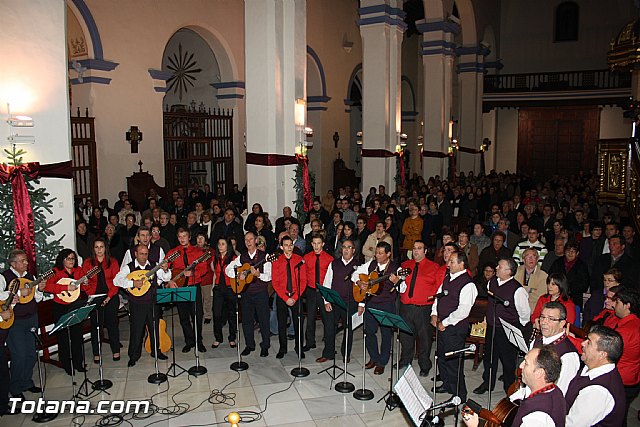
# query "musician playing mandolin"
(189, 319)
(545, 406)
(107, 314)
(20, 341)
(142, 308)
(66, 267)
(382, 264)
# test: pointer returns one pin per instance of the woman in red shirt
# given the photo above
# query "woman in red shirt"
(224, 300)
(557, 290)
(106, 316)
(66, 267)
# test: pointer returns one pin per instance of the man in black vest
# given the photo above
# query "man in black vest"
(545, 406)
(384, 300)
(596, 395)
(515, 311)
(616, 258)
(450, 314)
(142, 309)
(20, 340)
(338, 278)
(156, 253)
(255, 299)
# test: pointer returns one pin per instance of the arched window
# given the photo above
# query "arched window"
(566, 22)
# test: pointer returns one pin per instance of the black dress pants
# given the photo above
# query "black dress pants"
(419, 318)
(188, 319)
(503, 350)
(64, 352)
(451, 368)
(224, 310)
(282, 310)
(107, 317)
(332, 319)
(255, 305)
(141, 320)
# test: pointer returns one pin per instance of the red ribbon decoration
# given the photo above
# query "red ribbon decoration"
(270, 159)
(400, 156)
(382, 153)
(307, 199)
(22, 211)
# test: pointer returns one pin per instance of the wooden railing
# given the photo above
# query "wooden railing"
(556, 81)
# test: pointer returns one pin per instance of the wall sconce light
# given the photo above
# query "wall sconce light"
(347, 45)
(300, 110)
(336, 138)
(403, 139)
(450, 129)
(420, 141)
(19, 122)
(359, 136)
(134, 136)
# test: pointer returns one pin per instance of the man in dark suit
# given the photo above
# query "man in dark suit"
(618, 259)
(228, 228)
(444, 207)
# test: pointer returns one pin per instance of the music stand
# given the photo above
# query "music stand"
(158, 377)
(514, 335)
(68, 320)
(166, 296)
(188, 294)
(334, 298)
(397, 323)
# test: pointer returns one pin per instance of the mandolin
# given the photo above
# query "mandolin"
(31, 284)
(146, 275)
(71, 296)
(5, 305)
(164, 341)
(180, 278)
(238, 285)
(373, 281)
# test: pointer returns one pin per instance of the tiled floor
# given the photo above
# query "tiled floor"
(309, 401)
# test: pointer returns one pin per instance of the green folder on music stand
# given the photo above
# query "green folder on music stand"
(332, 297)
(390, 320)
(186, 294)
(72, 318)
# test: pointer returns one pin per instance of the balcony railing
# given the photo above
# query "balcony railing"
(557, 81)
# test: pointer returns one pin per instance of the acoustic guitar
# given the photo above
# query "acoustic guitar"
(164, 341)
(31, 284)
(146, 275)
(238, 285)
(71, 296)
(503, 414)
(5, 305)
(180, 278)
(372, 281)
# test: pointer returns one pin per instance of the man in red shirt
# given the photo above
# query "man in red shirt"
(316, 262)
(189, 254)
(627, 309)
(289, 279)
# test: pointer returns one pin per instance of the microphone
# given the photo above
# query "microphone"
(298, 265)
(454, 401)
(499, 298)
(471, 347)
(440, 295)
(348, 276)
(34, 331)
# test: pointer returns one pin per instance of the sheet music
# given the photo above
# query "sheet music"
(356, 320)
(415, 398)
(514, 335)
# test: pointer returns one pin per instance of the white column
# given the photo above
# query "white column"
(381, 27)
(470, 79)
(34, 81)
(275, 71)
(437, 59)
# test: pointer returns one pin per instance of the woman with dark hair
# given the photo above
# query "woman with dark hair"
(249, 223)
(224, 300)
(106, 315)
(348, 233)
(66, 267)
(97, 222)
(391, 228)
(557, 290)
(114, 242)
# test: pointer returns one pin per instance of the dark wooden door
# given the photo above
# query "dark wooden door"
(557, 140)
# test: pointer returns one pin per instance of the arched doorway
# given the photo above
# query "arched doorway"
(353, 105)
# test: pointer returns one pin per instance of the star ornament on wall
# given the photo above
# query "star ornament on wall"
(184, 70)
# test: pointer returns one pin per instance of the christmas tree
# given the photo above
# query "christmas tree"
(47, 247)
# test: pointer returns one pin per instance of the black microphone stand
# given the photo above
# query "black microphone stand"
(299, 372)
(493, 339)
(102, 384)
(363, 393)
(345, 386)
(43, 417)
(240, 365)
(158, 377)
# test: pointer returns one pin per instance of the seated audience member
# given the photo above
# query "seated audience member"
(557, 288)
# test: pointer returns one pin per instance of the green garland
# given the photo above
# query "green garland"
(298, 204)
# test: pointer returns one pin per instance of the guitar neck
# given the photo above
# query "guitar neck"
(379, 279)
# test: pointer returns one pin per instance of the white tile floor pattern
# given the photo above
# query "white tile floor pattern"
(309, 401)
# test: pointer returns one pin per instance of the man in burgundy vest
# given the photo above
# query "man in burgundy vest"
(416, 298)
(450, 314)
(515, 311)
(338, 278)
(255, 300)
(20, 340)
(142, 309)
(384, 300)
(545, 406)
(595, 397)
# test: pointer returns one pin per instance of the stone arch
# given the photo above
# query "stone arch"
(316, 79)
(409, 105)
(467, 22)
(354, 88)
(84, 17)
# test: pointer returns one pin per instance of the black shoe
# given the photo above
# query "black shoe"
(202, 348)
(34, 389)
(131, 363)
(424, 373)
(187, 348)
(116, 358)
(482, 389)
(247, 351)
(161, 356)
(308, 347)
(402, 366)
(440, 389)
(207, 321)
(291, 337)
(264, 352)
(501, 378)
(280, 354)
